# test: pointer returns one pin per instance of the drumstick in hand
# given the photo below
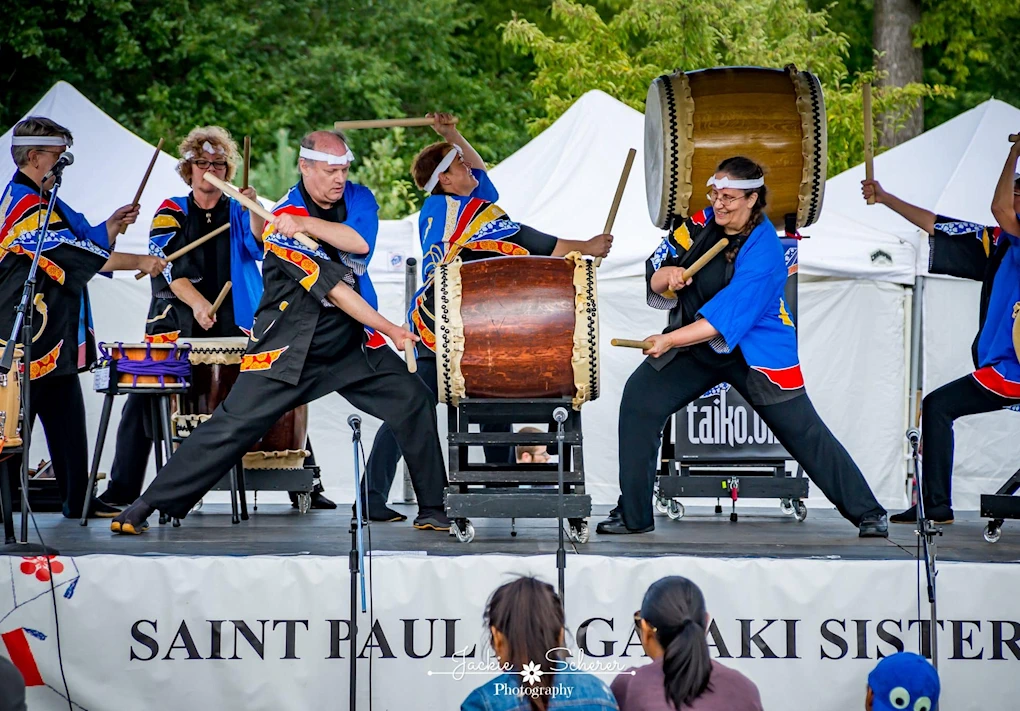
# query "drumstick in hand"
(616, 198)
(197, 243)
(699, 265)
(412, 363)
(247, 162)
(262, 212)
(221, 298)
(869, 145)
(627, 343)
(385, 123)
(148, 172)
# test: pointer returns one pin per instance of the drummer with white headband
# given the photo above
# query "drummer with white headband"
(730, 325)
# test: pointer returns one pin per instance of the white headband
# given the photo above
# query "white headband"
(443, 166)
(40, 141)
(331, 159)
(728, 182)
(208, 148)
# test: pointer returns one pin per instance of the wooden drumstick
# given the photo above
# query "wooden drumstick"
(869, 144)
(386, 123)
(221, 298)
(148, 172)
(412, 363)
(626, 343)
(247, 162)
(197, 243)
(619, 196)
(699, 265)
(256, 208)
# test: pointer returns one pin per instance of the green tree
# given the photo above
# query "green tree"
(623, 48)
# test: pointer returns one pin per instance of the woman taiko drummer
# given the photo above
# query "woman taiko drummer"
(728, 325)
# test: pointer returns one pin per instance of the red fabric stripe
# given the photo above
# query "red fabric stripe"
(466, 215)
(20, 208)
(21, 655)
(786, 378)
(990, 378)
(375, 339)
(169, 204)
(699, 218)
(291, 210)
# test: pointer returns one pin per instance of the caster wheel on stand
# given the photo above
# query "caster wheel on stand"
(464, 530)
(661, 503)
(675, 510)
(799, 510)
(786, 506)
(198, 506)
(993, 531)
(304, 503)
(177, 523)
(513, 528)
(163, 518)
(577, 530)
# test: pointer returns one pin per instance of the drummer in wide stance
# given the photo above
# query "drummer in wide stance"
(729, 324)
(309, 340)
(988, 254)
(183, 293)
(460, 219)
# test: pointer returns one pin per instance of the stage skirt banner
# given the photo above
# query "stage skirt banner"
(272, 632)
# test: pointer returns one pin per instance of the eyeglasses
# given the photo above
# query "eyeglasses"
(216, 164)
(726, 200)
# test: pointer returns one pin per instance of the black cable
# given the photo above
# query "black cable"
(371, 577)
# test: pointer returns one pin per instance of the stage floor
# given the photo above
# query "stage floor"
(277, 529)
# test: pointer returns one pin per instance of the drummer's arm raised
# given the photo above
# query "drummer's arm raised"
(350, 302)
(442, 124)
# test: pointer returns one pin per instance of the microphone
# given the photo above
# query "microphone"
(354, 422)
(560, 414)
(66, 159)
(913, 435)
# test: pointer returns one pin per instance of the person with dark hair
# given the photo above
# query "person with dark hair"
(459, 220)
(12, 687)
(730, 324)
(672, 624)
(63, 343)
(990, 255)
(526, 629)
(310, 339)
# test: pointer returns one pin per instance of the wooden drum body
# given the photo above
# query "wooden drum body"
(216, 365)
(10, 403)
(695, 120)
(517, 327)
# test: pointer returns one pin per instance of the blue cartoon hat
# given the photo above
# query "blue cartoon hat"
(904, 682)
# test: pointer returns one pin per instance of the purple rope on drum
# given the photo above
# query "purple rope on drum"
(175, 365)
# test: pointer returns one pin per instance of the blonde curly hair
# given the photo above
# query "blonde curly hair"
(191, 148)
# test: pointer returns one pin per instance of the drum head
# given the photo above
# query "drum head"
(655, 186)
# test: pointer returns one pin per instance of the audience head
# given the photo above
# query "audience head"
(672, 622)
(526, 624)
(12, 687)
(532, 453)
(902, 682)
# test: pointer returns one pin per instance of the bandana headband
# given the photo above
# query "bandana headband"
(206, 147)
(444, 165)
(728, 182)
(330, 158)
(40, 141)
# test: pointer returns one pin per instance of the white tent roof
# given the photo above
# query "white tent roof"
(96, 184)
(951, 170)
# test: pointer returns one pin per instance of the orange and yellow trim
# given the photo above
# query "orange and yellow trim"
(47, 364)
(255, 362)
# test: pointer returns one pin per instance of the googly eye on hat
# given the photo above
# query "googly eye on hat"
(904, 682)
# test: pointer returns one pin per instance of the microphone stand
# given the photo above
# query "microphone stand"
(927, 531)
(23, 327)
(356, 560)
(560, 415)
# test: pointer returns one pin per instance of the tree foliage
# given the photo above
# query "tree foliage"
(620, 46)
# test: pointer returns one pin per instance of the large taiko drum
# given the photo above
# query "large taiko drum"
(695, 120)
(215, 366)
(10, 403)
(517, 327)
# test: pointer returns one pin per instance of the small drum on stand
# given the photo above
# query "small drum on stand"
(695, 120)
(216, 364)
(517, 327)
(148, 366)
(10, 404)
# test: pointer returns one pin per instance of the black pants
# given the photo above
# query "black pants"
(382, 462)
(58, 403)
(375, 381)
(651, 396)
(964, 396)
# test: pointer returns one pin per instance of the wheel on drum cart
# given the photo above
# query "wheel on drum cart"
(786, 506)
(660, 502)
(198, 505)
(675, 510)
(993, 531)
(578, 530)
(304, 502)
(464, 530)
(799, 510)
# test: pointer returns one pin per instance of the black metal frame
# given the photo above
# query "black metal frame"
(1001, 505)
(758, 478)
(494, 490)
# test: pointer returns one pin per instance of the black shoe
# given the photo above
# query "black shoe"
(616, 526)
(109, 501)
(132, 520)
(615, 514)
(321, 503)
(873, 526)
(98, 509)
(432, 520)
(938, 514)
(385, 514)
